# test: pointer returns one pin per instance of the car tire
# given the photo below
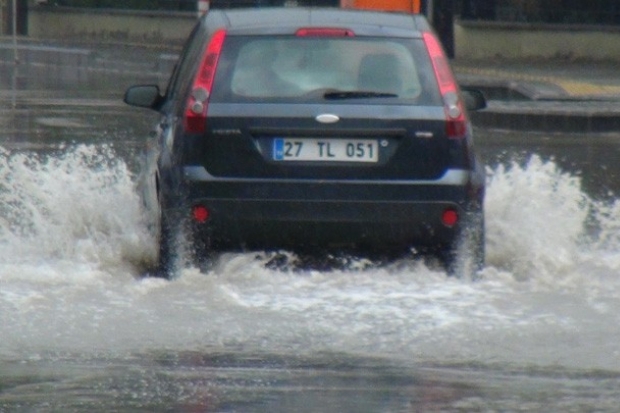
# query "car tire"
(167, 248)
(466, 256)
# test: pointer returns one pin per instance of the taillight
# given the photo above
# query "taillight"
(324, 31)
(196, 109)
(456, 125)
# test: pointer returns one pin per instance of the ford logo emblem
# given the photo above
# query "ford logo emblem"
(327, 118)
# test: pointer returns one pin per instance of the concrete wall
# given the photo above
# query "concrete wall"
(48, 22)
(519, 40)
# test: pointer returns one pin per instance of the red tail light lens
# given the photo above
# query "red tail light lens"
(196, 109)
(324, 31)
(450, 217)
(200, 213)
(456, 126)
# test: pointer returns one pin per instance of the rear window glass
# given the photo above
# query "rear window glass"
(306, 68)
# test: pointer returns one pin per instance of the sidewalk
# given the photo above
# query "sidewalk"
(545, 95)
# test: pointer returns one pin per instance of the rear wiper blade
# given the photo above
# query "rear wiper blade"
(357, 94)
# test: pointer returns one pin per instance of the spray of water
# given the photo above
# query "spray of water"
(73, 237)
(77, 205)
(80, 204)
(536, 218)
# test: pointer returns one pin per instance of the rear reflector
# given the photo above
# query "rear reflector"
(449, 217)
(200, 213)
(196, 109)
(324, 31)
(456, 123)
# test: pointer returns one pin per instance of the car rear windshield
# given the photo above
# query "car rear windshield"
(302, 69)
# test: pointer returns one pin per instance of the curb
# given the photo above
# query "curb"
(115, 58)
(527, 121)
(541, 107)
(47, 55)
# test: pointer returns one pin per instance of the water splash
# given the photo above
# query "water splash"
(72, 235)
(536, 217)
(78, 205)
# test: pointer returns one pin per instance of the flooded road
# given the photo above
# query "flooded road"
(81, 330)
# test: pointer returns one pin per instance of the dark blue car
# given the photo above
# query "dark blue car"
(314, 130)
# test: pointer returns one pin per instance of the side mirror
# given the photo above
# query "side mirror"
(474, 99)
(144, 96)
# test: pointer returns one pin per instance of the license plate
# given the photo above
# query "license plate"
(325, 150)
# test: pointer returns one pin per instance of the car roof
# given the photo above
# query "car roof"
(287, 20)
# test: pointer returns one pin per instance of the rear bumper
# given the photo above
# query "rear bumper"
(269, 214)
